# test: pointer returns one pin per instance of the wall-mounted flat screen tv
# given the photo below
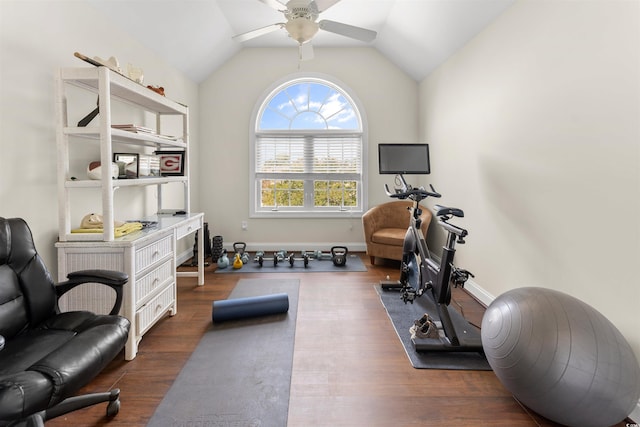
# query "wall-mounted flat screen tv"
(404, 159)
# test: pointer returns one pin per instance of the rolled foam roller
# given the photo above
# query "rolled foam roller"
(240, 308)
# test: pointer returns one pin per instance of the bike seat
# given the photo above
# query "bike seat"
(443, 210)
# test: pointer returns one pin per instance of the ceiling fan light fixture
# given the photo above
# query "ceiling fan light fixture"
(301, 29)
(302, 22)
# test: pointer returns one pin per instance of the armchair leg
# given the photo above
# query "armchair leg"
(78, 402)
(373, 260)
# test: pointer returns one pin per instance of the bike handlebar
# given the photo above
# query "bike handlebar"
(413, 193)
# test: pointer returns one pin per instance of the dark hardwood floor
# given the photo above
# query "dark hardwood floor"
(349, 367)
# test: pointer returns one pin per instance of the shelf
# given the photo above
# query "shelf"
(96, 183)
(164, 222)
(125, 137)
(102, 139)
(123, 89)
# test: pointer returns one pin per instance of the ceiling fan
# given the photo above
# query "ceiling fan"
(302, 24)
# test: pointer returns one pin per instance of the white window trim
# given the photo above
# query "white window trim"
(330, 212)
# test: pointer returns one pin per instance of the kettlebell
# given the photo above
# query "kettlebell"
(240, 248)
(339, 255)
(237, 261)
(223, 261)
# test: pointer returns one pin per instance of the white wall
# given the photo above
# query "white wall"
(227, 100)
(36, 38)
(535, 133)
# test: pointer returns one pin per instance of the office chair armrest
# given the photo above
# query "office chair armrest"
(113, 279)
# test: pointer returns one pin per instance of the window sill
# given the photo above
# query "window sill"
(307, 215)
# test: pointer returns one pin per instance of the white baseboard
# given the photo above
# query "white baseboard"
(472, 287)
(184, 256)
(297, 247)
(479, 293)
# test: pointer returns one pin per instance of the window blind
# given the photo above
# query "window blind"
(309, 154)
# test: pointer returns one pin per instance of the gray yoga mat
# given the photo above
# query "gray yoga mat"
(402, 317)
(240, 372)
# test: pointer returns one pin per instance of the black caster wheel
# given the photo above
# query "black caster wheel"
(113, 408)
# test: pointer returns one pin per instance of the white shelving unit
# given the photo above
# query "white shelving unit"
(147, 256)
(110, 86)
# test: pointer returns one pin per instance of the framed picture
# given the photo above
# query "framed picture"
(171, 163)
(127, 164)
(148, 166)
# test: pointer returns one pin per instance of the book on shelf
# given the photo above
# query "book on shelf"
(141, 129)
(133, 128)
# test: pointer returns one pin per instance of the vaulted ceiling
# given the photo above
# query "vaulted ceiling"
(195, 36)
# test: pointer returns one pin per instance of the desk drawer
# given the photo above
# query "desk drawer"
(150, 254)
(189, 227)
(151, 311)
(155, 279)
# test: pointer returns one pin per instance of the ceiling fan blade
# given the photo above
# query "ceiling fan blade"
(357, 33)
(274, 4)
(323, 5)
(306, 52)
(257, 32)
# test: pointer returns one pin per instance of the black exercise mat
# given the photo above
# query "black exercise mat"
(240, 372)
(354, 264)
(402, 317)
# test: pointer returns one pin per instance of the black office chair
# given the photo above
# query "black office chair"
(46, 356)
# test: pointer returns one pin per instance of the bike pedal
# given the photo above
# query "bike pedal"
(391, 285)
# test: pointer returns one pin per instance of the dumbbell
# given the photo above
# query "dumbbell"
(305, 258)
(277, 257)
(319, 255)
(259, 258)
(311, 255)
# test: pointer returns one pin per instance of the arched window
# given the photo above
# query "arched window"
(308, 151)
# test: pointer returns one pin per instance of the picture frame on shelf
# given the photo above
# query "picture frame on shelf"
(148, 166)
(128, 165)
(171, 163)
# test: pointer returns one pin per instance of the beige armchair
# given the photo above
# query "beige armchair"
(385, 226)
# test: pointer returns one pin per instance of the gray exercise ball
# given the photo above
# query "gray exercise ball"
(560, 357)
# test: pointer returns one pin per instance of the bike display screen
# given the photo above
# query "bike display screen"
(404, 159)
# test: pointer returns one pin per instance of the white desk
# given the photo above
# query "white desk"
(148, 257)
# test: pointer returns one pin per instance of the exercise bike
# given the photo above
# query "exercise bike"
(419, 274)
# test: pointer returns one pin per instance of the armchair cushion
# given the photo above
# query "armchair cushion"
(385, 226)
